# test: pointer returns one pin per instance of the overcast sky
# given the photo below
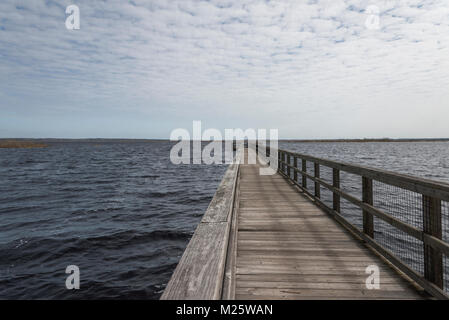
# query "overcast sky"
(139, 69)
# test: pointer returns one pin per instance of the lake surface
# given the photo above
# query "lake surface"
(123, 213)
(428, 160)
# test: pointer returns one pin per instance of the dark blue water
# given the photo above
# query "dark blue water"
(123, 213)
(428, 160)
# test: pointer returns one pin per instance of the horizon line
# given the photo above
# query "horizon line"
(283, 139)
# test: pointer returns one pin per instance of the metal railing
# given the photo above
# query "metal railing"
(403, 218)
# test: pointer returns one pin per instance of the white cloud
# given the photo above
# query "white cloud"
(311, 68)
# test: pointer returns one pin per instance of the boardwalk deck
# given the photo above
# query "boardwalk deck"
(276, 243)
(287, 248)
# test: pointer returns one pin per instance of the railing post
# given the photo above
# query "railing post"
(295, 165)
(336, 184)
(367, 197)
(304, 178)
(317, 185)
(284, 158)
(288, 165)
(433, 259)
(279, 161)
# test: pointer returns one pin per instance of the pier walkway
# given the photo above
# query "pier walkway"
(267, 237)
(288, 248)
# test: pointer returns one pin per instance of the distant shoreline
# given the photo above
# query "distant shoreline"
(20, 144)
(368, 140)
(44, 142)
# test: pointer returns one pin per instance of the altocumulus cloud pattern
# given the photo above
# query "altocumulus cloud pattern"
(282, 64)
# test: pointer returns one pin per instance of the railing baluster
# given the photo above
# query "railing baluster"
(336, 184)
(284, 158)
(317, 185)
(433, 259)
(433, 195)
(304, 177)
(295, 165)
(367, 197)
(283, 162)
(279, 161)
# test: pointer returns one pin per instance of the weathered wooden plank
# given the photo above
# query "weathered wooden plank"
(229, 281)
(297, 252)
(321, 220)
(319, 275)
(279, 236)
(267, 205)
(199, 273)
(256, 258)
(303, 264)
(303, 206)
(275, 197)
(327, 279)
(317, 234)
(303, 243)
(219, 207)
(260, 192)
(304, 251)
(270, 227)
(305, 211)
(300, 242)
(279, 293)
(266, 215)
(361, 285)
(293, 297)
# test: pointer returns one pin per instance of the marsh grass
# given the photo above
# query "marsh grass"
(21, 144)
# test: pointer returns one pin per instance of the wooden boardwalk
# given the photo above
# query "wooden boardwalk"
(268, 237)
(287, 248)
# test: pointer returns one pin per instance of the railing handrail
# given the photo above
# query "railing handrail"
(424, 186)
(200, 272)
(432, 192)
